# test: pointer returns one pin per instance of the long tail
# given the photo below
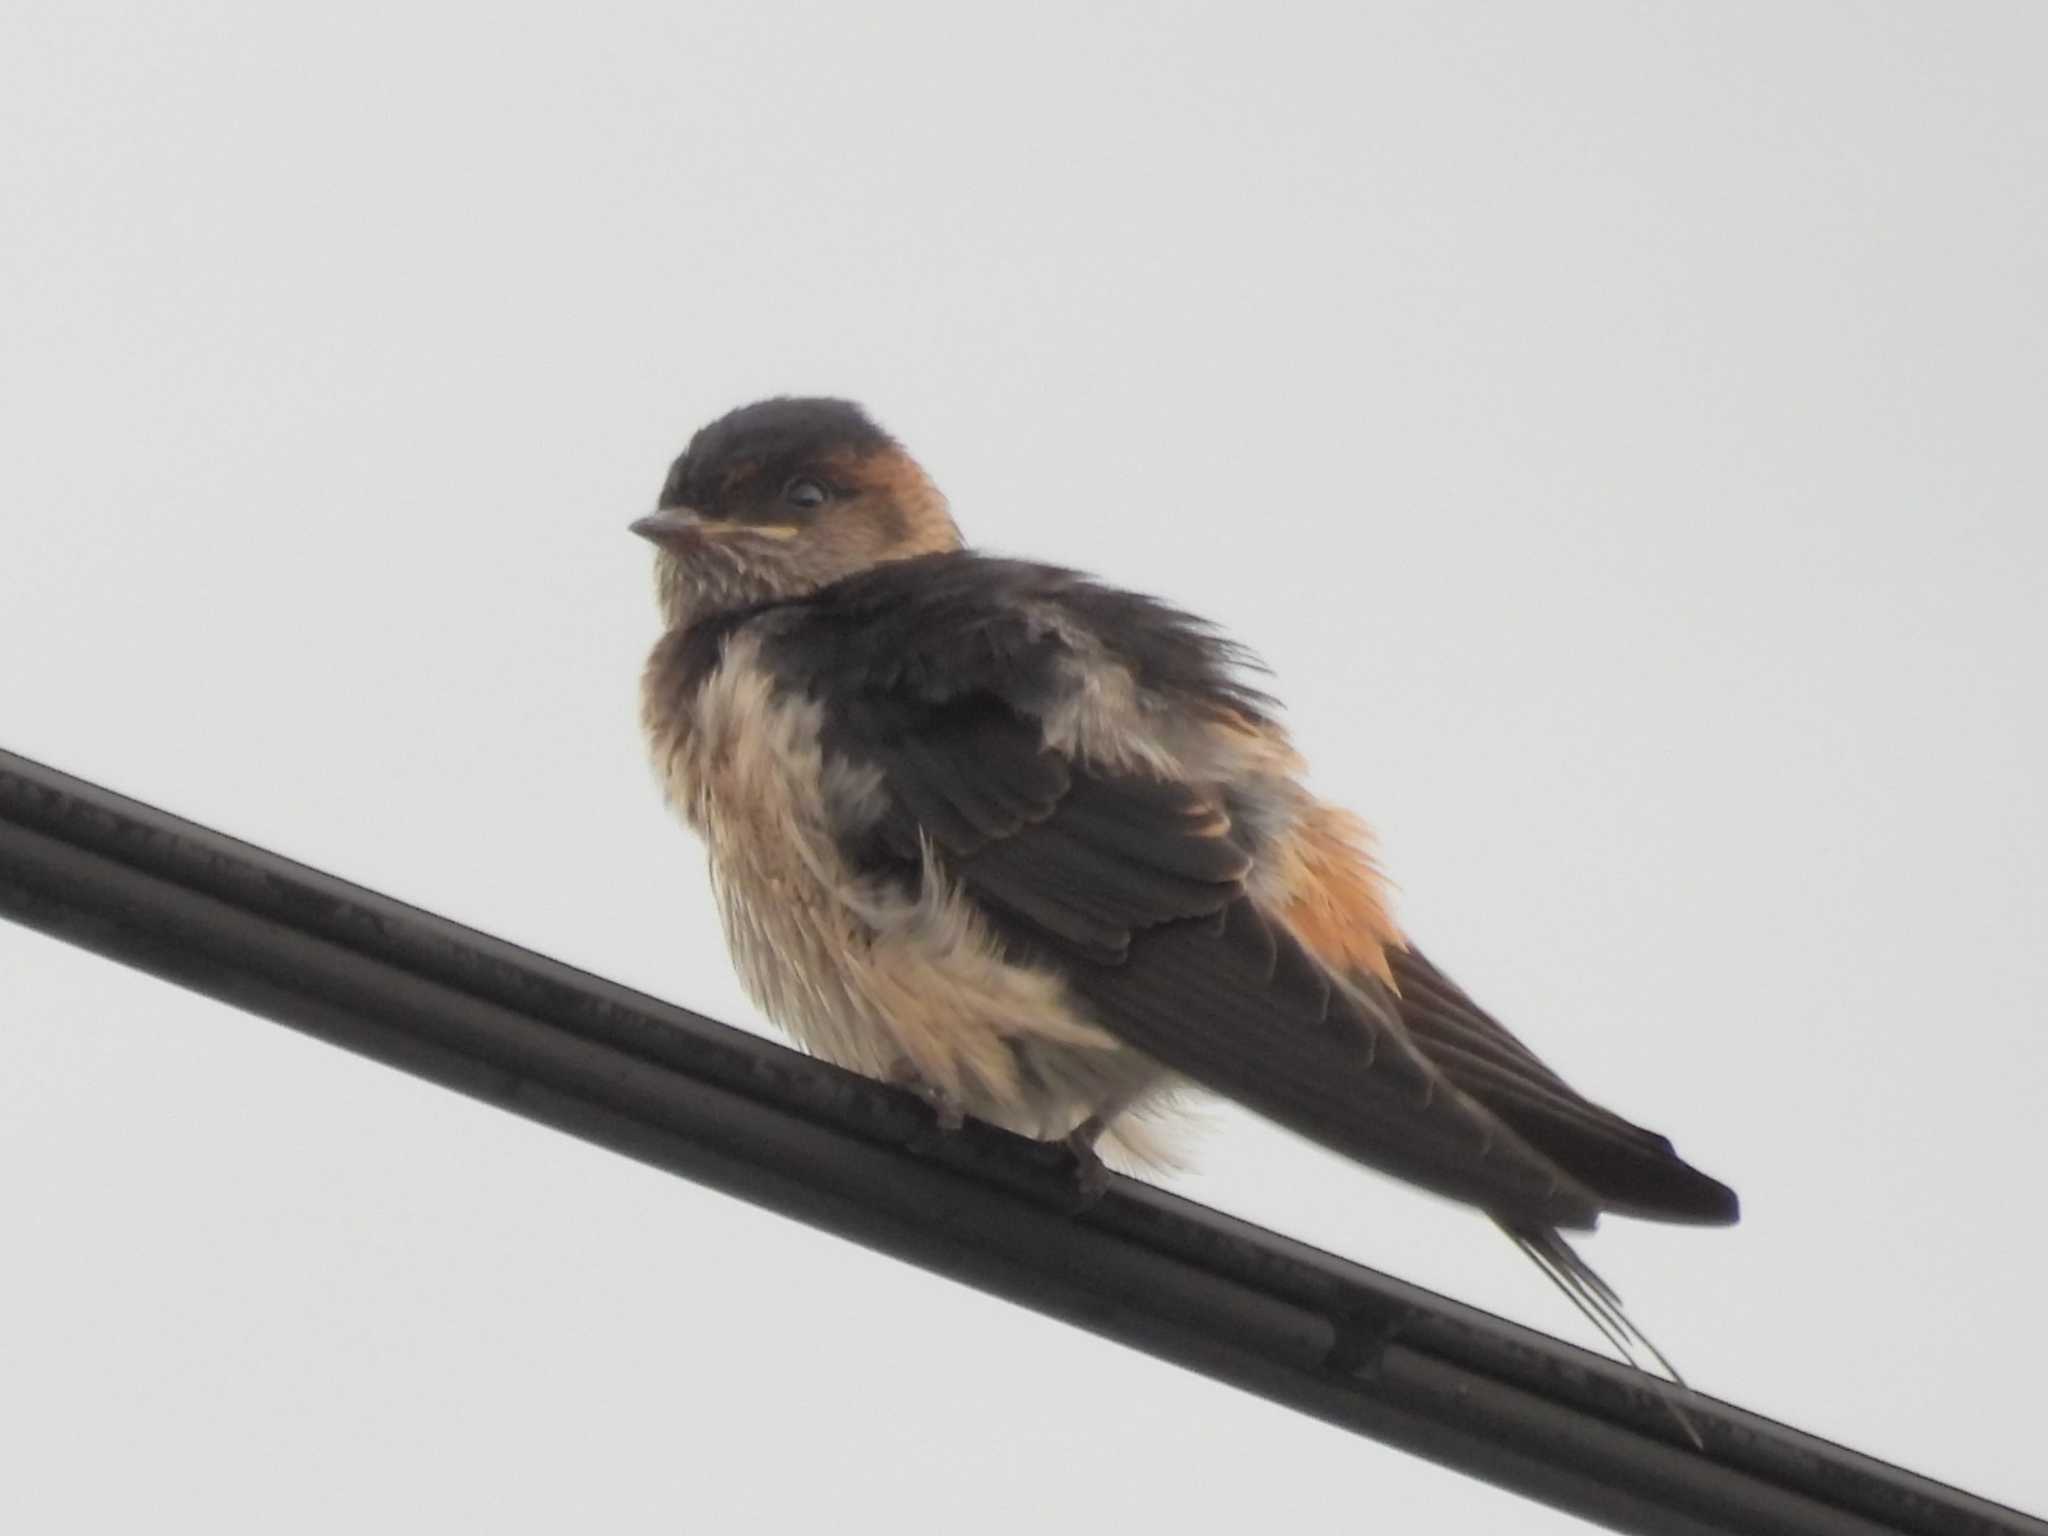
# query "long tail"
(1601, 1306)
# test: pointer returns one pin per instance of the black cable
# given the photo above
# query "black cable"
(1190, 1285)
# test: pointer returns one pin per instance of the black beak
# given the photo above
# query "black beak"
(670, 525)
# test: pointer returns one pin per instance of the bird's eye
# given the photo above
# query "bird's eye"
(805, 493)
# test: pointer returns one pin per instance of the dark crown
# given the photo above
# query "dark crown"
(784, 433)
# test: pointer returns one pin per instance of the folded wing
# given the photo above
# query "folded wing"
(1133, 889)
(1635, 1172)
(937, 676)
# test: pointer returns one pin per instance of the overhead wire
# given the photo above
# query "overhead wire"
(868, 1162)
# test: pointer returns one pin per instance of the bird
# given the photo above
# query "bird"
(1041, 849)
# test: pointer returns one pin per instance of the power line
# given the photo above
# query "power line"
(1319, 1334)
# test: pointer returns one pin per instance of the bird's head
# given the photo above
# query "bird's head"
(779, 498)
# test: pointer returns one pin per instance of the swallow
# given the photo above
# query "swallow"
(1041, 849)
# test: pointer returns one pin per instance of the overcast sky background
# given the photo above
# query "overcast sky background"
(1620, 426)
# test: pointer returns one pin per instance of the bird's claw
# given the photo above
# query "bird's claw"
(946, 1110)
(1091, 1174)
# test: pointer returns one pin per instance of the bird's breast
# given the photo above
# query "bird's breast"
(888, 982)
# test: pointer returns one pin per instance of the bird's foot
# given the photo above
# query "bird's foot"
(1091, 1174)
(946, 1110)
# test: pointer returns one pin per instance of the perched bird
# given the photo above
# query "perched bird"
(1039, 848)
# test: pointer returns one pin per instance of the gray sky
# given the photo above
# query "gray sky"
(1618, 425)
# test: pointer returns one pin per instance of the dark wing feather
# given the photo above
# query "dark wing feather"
(920, 750)
(1132, 889)
(1635, 1172)
(935, 672)
(1285, 1043)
